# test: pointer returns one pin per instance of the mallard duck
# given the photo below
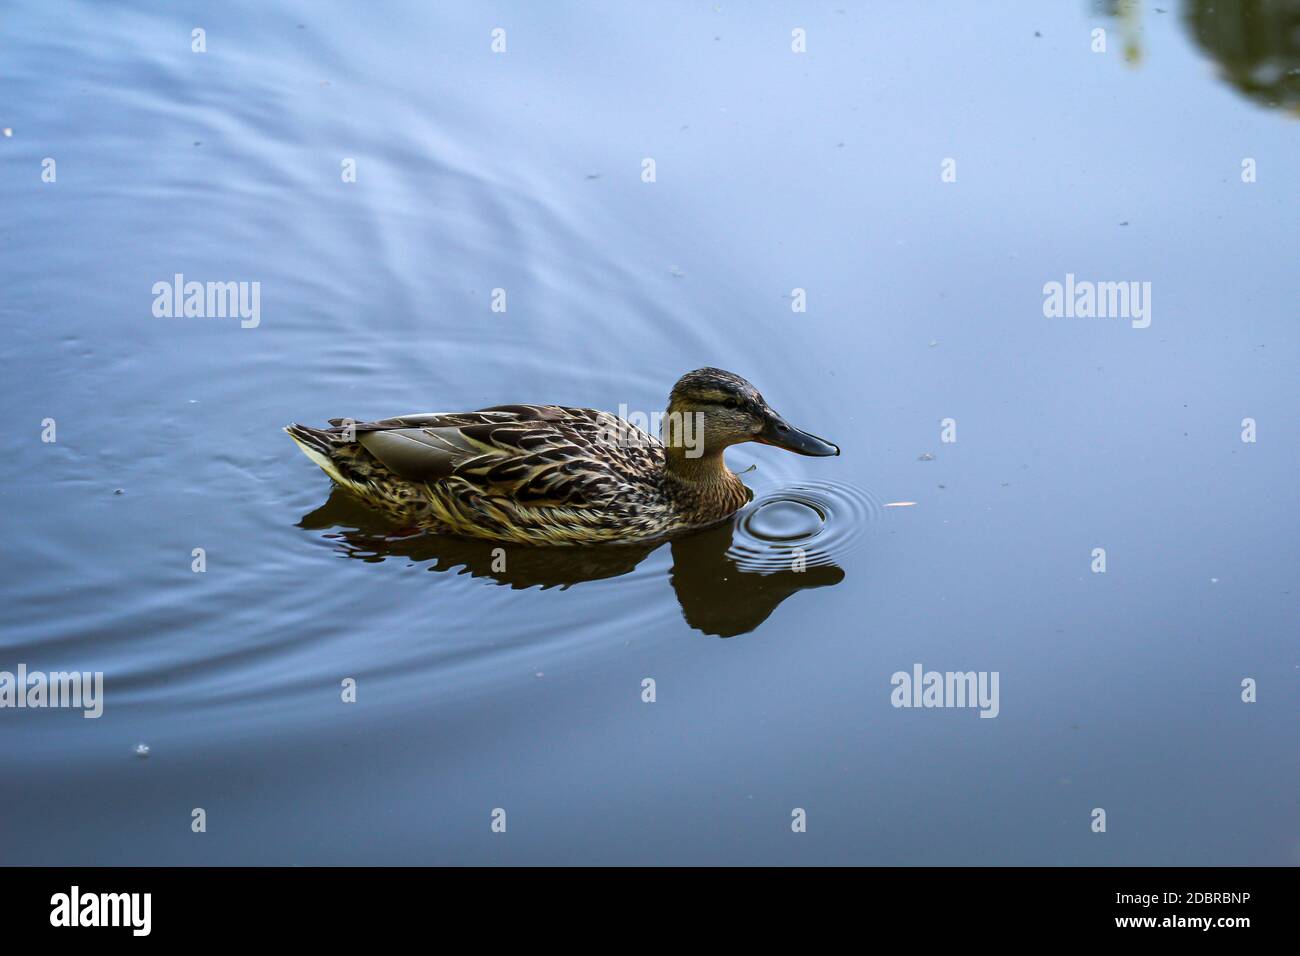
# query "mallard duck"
(549, 475)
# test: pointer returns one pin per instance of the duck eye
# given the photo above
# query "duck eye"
(732, 403)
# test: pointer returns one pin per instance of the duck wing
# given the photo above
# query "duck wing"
(535, 454)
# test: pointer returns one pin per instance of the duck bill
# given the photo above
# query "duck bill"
(781, 434)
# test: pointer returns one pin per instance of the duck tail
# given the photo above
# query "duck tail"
(321, 447)
(316, 439)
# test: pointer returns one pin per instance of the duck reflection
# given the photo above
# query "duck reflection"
(719, 597)
(716, 595)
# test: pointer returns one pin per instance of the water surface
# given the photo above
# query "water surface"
(776, 171)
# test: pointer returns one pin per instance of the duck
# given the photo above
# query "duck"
(554, 475)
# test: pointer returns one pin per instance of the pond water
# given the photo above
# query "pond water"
(864, 230)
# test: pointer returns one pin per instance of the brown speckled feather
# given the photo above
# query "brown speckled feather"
(538, 474)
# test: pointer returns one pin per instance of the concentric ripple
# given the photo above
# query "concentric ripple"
(824, 520)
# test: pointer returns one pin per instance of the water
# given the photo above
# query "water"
(522, 689)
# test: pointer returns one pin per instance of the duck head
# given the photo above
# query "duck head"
(710, 409)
